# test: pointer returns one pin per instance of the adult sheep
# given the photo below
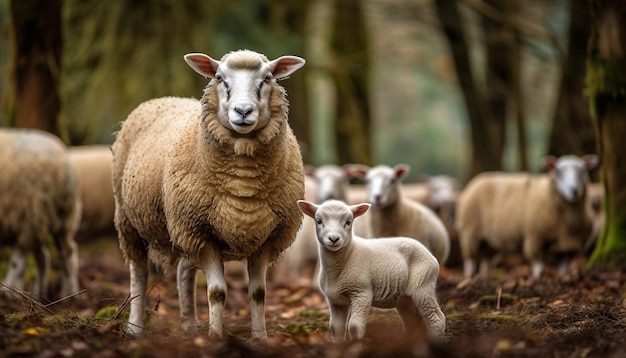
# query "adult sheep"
(39, 199)
(92, 164)
(393, 214)
(203, 182)
(540, 215)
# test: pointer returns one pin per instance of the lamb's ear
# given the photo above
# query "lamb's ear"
(401, 170)
(359, 209)
(203, 64)
(285, 65)
(591, 161)
(356, 170)
(307, 207)
(549, 162)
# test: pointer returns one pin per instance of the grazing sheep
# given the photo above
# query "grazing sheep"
(358, 273)
(392, 214)
(203, 182)
(92, 164)
(39, 201)
(540, 215)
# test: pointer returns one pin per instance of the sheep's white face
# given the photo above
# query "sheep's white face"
(244, 85)
(570, 175)
(333, 221)
(383, 184)
(442, 191)
(332, 182)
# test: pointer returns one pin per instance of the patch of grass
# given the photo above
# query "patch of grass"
(492, 300)
(14, 319)
(306, 313)
(65, 321)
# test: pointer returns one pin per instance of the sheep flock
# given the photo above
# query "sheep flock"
(190, 184)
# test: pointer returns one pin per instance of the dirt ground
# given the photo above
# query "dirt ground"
(582, 315)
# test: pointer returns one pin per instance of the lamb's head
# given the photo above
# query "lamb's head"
(569, 174)
(333, 221)
(244, 85)
(332, 182)
(442, 191)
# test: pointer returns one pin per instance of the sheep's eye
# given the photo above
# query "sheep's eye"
(218, 78)
(348, 223)
(319, 221)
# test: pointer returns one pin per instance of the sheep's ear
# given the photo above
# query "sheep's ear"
(401, 170)
(285, 65)
(549, 162)
(309, 170)
(357, 170)
(203, 64)
(307, 207)
(359, 209)
(591, 161)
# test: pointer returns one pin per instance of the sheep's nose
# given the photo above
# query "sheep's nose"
(243, 109)
(333, 239)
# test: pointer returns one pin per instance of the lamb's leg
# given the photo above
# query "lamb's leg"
(563, 267)
(532, 252)
(42, 259)
(138, 284)
(338, 318)
(186, 279)
(408, 313)
(469, 267)
(357, 316)
(213, 266)
(426, 303)
(17, 265)
(257, 272)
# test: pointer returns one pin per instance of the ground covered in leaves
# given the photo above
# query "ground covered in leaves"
(582, 315)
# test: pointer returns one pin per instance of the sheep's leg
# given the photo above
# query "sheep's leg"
(213, 266)
(357, 316)
(469, 267)
(338, 318)
(42, 259)
(138, 285)
(69, 254)
(257, 272)
(563, 267)
(186, 278)
(426, 303)
(15, 273)
(532, 252)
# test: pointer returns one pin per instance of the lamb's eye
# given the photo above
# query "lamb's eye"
(218, 78)
(348, 223)
(319, 221)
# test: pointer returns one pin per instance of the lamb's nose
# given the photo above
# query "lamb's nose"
(333, 239)
(243, 109)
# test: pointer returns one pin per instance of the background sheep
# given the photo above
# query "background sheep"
(541, 215)
(39, 200)
(209, 181)
(92, 164)
(392, 214)
(357, 274)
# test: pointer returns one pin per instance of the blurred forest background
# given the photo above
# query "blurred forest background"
(380, 84)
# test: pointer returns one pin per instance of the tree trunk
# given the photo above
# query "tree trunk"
(36, 63)
(485, 153)
(572, 126)
(351, 51)
(606, 88)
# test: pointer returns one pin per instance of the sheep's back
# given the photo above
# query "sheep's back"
(38, 190)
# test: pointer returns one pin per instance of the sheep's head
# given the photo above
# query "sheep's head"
(333, 221)
(383, 182)
(442, 191)
(244, 85)
(332, 182)
(569, 174)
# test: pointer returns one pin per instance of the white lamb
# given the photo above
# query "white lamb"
(203, 182)
(540, 215)
(357, 274)
(392, 214)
